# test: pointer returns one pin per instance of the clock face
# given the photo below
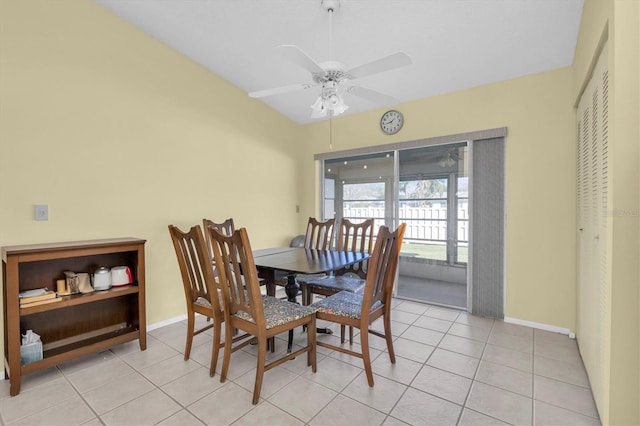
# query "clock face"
(391, 122)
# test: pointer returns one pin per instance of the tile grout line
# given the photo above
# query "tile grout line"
(473, 380)
(387, 415)
(97, 416)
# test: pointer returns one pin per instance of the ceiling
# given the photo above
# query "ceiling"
(453, 44)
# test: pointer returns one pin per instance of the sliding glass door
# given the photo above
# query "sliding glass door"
(433, 202)
(426, 188)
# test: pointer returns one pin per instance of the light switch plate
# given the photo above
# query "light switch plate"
(41, 212)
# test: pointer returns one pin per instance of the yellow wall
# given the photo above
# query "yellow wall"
(121, 136)
(625, 197)
(540, 187)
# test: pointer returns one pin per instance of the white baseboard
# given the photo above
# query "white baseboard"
(149, 328)
(170, 321)
(540, 326)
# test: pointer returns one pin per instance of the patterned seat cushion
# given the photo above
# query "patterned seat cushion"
(305, 278)
(203, 302)
(207, 304)
(342, 283)
(344, 304)
(278, 312)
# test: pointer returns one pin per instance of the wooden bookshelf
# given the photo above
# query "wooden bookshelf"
(79, 324)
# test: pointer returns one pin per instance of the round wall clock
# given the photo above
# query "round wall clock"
(391, 122)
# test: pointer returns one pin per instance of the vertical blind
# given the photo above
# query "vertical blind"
(486, 263)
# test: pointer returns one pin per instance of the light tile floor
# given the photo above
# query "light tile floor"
(451, 368)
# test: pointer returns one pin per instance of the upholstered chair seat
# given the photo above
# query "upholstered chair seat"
(277, 313)
(206, 303)
(344, 304)
(334, 284)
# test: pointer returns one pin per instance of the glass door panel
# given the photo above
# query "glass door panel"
(428, 192)
(433, 202)
(362, 188)
(422, 206)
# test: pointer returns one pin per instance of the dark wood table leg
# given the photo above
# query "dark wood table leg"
(292, 288)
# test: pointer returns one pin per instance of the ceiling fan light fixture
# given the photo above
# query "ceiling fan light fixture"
(333, 102)
(318, 109)
(329, 100)
(337, 104)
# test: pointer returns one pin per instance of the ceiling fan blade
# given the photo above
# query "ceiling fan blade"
(297, 56)
(372, 95)
(280, 90)
(395, 60)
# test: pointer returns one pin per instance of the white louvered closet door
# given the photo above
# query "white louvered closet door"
(592, 209)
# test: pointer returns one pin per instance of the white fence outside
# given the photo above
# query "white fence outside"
(423, 223)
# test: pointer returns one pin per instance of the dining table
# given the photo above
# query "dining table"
(291, 261)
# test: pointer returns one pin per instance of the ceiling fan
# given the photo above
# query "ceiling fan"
(331, 75)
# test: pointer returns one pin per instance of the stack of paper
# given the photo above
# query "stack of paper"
(37, 297)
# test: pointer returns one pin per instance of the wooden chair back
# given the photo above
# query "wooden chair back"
(383, 265)
(195, 267)
(319, 235)
(355, 237)
(227, 227)
(237, 274)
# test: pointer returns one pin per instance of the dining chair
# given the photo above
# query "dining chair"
(248, 310)
(354, 237)
(227, 227)
(361, 310)
(319, 235)
(200, 289)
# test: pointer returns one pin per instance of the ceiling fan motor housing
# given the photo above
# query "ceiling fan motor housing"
(330, 74)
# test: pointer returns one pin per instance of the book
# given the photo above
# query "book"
(41, 302)
(32, 293)
(30, 299)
